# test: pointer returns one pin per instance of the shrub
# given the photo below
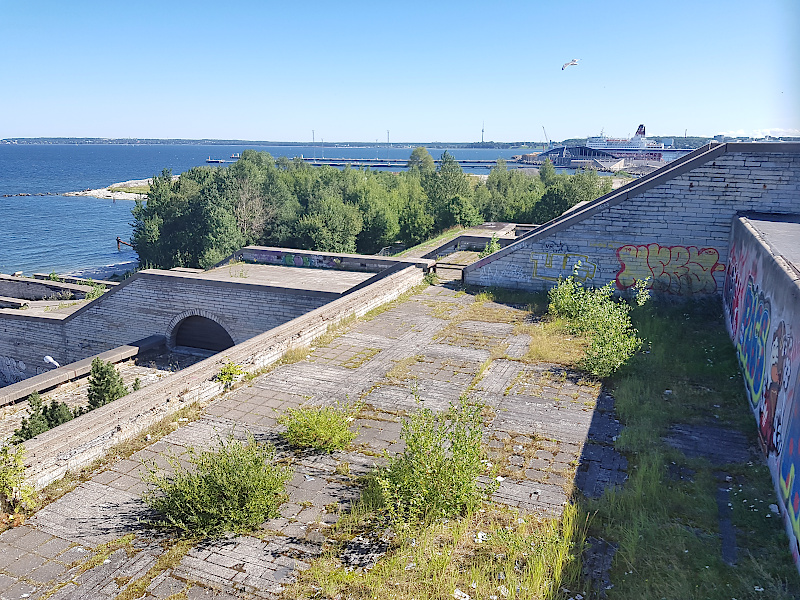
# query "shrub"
(320, 427)
(98, 289)
(234, 489)
(14, 493)
(105, 384)
(491, 247)
(437, 473)
(594, 312)
(41, 418)
(229, 372)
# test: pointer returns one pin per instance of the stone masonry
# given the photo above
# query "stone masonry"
(427, 350)
(672, 226)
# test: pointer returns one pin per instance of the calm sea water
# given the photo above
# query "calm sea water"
(77, 234)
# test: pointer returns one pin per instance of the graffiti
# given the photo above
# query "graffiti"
(552, 266)
(751, 344)
(11, 371)
(289, 259)
(492, 274)
(671, 269)
(788, 458)
(551, 247)
(732, 290)
(771, 407)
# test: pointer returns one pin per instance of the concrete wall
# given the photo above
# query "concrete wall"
(80, 441)
(34, 289)
(318, 260)
(672, 226)
(762, 308)
(151, 302)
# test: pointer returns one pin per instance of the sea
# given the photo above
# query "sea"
(45, 231)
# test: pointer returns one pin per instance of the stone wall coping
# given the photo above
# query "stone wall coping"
(80, 441)
(791, 272)
(478, 240)
(362, 259)
(55, 285)
(669, 171)
(45, 381)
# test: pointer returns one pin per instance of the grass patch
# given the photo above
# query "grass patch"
(361, 357)
(492, 552)
(667, 528)
(325, 428)
(234, 489)
(136, 189)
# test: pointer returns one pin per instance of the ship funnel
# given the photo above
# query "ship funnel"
(640, 131)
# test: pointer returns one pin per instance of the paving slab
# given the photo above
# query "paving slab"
(414, 354)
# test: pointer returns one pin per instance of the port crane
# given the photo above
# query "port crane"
(546, 139)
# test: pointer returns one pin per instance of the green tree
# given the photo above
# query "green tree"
(421, 161)
(105, 384)
(329, 226)
(547, 173)
(416, 223)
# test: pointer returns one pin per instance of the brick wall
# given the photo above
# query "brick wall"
(673, 226)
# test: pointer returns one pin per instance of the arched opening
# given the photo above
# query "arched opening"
(200, 332)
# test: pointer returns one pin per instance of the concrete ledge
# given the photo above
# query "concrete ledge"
(6, 302)
(320, 260)
(80, 441)
(76, 280)
(35, 289)
(39, 383)
(466, 242)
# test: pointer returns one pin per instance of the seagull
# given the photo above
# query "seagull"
(573, 62)
(52, 361)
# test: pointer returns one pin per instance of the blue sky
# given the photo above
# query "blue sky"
(425, 71)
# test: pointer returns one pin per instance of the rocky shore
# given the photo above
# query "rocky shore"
(112, 193)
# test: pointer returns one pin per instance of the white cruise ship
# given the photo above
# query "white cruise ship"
(637, 144)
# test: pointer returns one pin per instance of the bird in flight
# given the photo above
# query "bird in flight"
(573, 62)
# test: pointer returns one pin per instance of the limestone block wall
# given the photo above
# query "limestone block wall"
(149, 303)
(80, 441)
(673, 227)
(24, 342)
(155, 302)
(762, 307)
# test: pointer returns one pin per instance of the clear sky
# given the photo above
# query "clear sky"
(425, 71)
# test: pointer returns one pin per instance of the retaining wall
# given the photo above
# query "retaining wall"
(762, 307)
(152, 302)
(80, 441)
(35, 289)
(672, 226)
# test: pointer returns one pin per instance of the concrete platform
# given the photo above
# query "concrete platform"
(298, 278)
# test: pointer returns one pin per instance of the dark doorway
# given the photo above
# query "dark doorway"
(199, 332)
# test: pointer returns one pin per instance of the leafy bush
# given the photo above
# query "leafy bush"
(491, 247)
(229, 372)
(14, 493)
(234, 489)
(98, 289)
(594, 312)
(105, 384)
(41, 418)
(320, 427)
(437, 473)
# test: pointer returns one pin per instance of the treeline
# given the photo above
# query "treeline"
(209, 212)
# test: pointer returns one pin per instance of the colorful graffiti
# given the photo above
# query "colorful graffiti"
(751, 343)
(763, 316)
(552, 266)
(779, 372)
(289, 259)
(679, 270)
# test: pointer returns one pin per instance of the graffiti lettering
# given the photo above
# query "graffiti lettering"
(751, 344)
(555, 266)
(671, 269)
(551, 246)
(11, 371)
(290, 259)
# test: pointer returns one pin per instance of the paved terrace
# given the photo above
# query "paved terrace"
(433, 344)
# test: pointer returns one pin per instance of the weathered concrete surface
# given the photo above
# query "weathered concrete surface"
(402, 358)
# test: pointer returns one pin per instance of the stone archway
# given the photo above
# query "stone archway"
(198, 329)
